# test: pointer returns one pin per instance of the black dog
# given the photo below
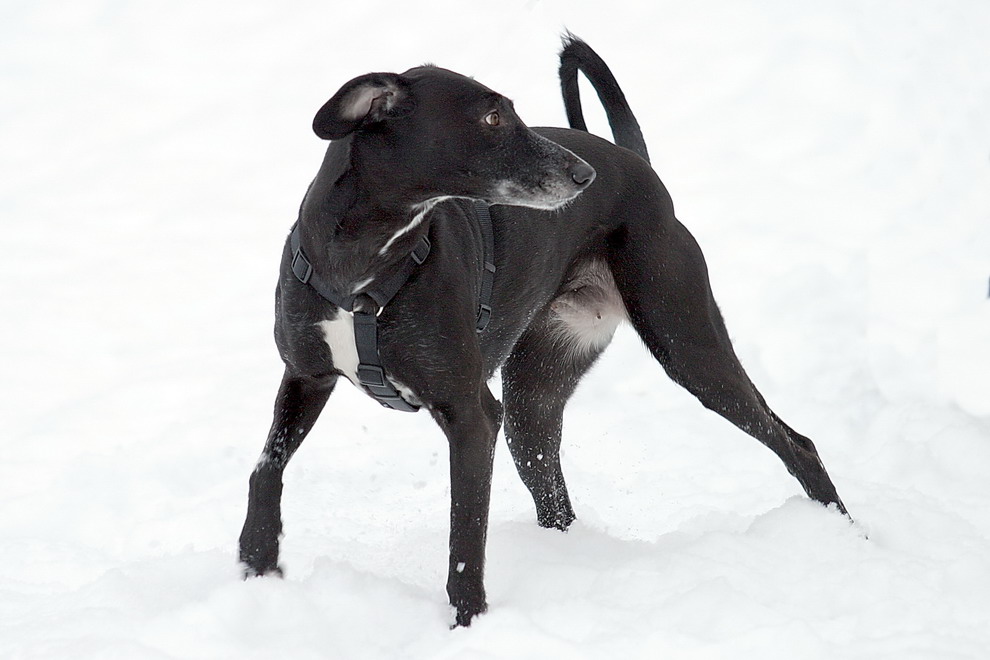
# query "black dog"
(383, 276)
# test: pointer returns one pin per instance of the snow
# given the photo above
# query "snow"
(831, 158)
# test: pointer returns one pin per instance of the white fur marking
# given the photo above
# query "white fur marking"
(357, 288)
(406, 393)
(338, 333)
(419, 212)
(590, 311)
(512, 194)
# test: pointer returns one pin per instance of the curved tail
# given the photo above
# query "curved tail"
(577, 55)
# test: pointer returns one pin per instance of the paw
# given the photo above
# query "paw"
(467, 596)
(465, 614)
(555, 519)
(248, 571)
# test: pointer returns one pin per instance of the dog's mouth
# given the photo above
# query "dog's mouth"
(546, 195)
(545, 199)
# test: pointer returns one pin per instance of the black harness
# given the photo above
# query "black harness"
(370, 372)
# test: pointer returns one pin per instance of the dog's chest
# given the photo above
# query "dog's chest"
(338, 333)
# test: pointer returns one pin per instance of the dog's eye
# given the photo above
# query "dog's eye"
(492, 119)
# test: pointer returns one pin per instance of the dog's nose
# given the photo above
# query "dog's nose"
(582, 174)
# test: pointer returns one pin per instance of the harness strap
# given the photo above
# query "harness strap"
(370, 372)
(384, 292)
(488, 270)
(381, 293)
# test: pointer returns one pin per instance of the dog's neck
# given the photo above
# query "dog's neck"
(354, 236)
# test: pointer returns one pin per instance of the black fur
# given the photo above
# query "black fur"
(401, 143)
(576, 56)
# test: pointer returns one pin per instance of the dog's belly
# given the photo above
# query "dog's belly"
(584, 317)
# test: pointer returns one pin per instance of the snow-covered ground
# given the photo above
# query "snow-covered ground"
(833, 159)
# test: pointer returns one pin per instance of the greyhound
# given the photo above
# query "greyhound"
(584, 237)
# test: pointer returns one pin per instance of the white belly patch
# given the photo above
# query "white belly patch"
(587, 313)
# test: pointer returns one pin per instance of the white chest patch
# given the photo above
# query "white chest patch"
(338, 333)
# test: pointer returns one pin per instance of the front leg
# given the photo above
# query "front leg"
(471, 426)
(299, 402)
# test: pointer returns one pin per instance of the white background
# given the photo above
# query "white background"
(833, 160)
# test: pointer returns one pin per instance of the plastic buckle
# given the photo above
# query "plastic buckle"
(484, 316)
(298, 259)
(371, 376)
(421, 251)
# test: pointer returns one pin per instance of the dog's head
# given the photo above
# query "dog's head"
(435, 133)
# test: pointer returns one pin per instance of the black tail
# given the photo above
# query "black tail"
(577, 55)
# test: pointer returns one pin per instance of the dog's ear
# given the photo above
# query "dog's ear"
(365, 100)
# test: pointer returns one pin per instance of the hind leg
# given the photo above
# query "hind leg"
(537, 380)
(663, 280)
